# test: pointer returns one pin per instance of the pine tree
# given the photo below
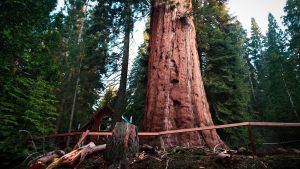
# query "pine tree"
(138, 83)
(71, 55)
(257, 67)
(29, 72)
(280, 89)
(279, 85)
(221, 47)
(292, 21)
(127, 13)
(93, 50)
(120, 105)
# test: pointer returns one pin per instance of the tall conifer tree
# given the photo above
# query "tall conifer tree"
(292, 21)
(221, 46)
(29, 72)
(279, 89)
(257, 67)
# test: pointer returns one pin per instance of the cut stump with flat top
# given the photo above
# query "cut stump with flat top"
(124, 144)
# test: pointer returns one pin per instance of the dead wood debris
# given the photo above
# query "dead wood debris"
(59, 158)
(43, 160)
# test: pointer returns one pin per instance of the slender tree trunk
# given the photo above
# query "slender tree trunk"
(289, 93)
(252, 88)
(60, 114)
(73, 109)
(175, 94)
(79, 71)
(251, 78)
(121, 95)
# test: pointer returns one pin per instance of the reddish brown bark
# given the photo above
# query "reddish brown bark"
(175, 97)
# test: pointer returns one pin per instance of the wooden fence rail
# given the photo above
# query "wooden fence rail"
(160, 134)
(249, 124)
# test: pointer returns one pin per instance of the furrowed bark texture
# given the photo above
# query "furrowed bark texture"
(175, 97)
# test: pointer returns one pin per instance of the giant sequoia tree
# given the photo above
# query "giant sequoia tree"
(176, 98)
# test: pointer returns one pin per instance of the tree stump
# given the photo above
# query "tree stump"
(124, 144)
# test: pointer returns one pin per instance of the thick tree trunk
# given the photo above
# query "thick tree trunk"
(175, 97)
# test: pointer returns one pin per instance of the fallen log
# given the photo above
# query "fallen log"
(41, 161)
(123, 145)
(89, 151)
(76, 157)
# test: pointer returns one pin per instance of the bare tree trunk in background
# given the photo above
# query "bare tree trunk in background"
(252, 87)
(81, 54)
(121, 95)
(289, 93)
(175, 94)
(60, 113)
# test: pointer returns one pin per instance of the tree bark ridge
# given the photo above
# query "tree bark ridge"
(175, 97)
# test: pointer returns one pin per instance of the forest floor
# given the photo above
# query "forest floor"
(199, 158)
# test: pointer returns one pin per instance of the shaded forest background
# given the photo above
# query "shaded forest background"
(56, 62)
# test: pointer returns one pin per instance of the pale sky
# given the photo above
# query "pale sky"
(258, 9)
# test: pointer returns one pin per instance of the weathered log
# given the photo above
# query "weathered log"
(89, 151)
(76, 157)
(124, 144)
(41, 161)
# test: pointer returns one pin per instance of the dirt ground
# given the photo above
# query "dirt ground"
(199, 158)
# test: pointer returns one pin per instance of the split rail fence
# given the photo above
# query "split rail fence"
(249, 125)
